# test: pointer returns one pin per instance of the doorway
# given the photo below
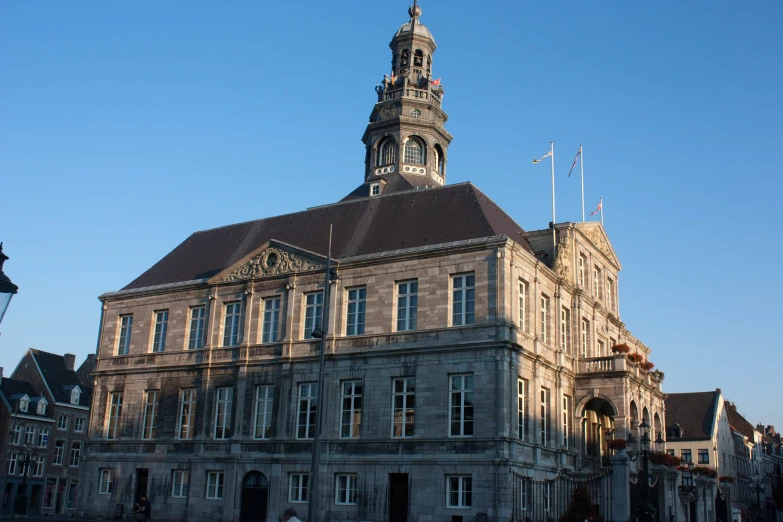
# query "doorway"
(142, 477)
(35, 500)
(255, 495)
(398, 497)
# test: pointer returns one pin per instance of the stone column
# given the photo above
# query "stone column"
(621, 487)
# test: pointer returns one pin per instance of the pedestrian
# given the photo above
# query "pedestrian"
(289, 515)
(143, 509)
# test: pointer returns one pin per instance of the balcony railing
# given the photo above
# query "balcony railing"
(612, 363)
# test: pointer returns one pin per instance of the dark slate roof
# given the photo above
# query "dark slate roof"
(392, 183)
(86, 372)
(14, 389)
(694, 412)
(58, 376)
(738, 422)
(362, 226)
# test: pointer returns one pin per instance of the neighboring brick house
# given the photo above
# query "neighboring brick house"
(747, 462)
(69, 406)
(460, 346)
(772, 459)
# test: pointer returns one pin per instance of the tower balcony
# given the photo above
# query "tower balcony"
(408, 91)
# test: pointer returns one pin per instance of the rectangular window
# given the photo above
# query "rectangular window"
(43, 437)
(461, 400)
(686, 455)
(126, 326)
(29, 435)
(78, 424)
(76, 453)
(59, 452)
(179, 483)
(544, 319)
(670, 452)
(522, 408)
(585, 338)
(704, 456)
(596, 283)
(565, 328)
(314, 310)
(306, 415)
(612, 342)
(263, 415)
(566, 421)
(40, 465)
(187, 414)
(345, 490)
(16, 440)
(375, 189)
(600, 348)
(271, 324)
(161, 326)
(351, 418)
(463, 299)
(407, 305)
(62, 422)
(224, 397)
(150, 410)
(403, 405)
(107, 477)
(198, 319)
(297, 487)
(215, 485)
(523, 305)
(582, 263)
(357, 303)
(231, 324)
(545, 404)
(610, 293)
(115, 411)
(10, 467)
(459, 491)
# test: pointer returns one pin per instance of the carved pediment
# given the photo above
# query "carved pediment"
(597, 236)
(274, 258)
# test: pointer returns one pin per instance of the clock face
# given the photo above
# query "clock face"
(387, 111)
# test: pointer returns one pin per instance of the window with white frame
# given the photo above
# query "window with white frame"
(40, 465)
(187, 414)
(545, 419)
(522, 408)
(75, 394)
(29, 435)
(566, 421)
(407, 305)
(179, 483)
(704, 456)
(224, 398)
(357, 304)
(198, 320)
(524, 496)
(522, 305)
(403, 406)
(62, 422)
(463, 297)
(351, 414)
(388, 153)
(414, 151)
(232, 316)
(41, 407)
(314, 310)
(596, 282)
(24, 404)
(375, 189)
(600, 348)
(263, 413)
(565, 328)
(269, 329)
(10, 467)
(76, 453)
(78, 424)
(544, 319)
(298, 486)
(105, 483)
(345, 488)
(43, 437)
(459, 491)
(126, 327)
(582, 264)
(59, 452)
(305, 425)
(215, 481)
(585, 338)
(161, 325)
(610, 293)
(461, 405)
(150, 412)
(115, 411)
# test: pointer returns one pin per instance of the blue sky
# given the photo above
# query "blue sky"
(124, 127)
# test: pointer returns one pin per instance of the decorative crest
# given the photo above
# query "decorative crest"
(270, 261)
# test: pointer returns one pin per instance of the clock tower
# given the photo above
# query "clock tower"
(406, 142)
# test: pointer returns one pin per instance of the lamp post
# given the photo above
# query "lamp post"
(758, 488)
(646, 510)
(20, 501)
(7, 288)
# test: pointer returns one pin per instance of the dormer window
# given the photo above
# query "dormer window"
(41, 408)
(375, 189)
(414, 151)
(24, 403)
(75, 394)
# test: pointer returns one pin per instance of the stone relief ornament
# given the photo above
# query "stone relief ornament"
(595, 236)
(271, 261)
(563, 260)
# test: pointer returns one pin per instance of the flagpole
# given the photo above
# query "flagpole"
(554, 221)
(601, 204)
(582, 165)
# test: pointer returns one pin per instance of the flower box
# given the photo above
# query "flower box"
(617, 444)
(635, 357)
(726, 479)
(705, 471)
(660, 457)
(647, 365)
(621, 348)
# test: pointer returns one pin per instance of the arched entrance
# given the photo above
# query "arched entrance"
(255, 495)
(597, 427)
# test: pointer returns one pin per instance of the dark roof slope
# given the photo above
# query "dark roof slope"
(86, 372)
(14, 389)
(58, 376)
(694, 412)
(362, 226)
(739, 423)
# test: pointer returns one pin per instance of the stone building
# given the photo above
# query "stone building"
(772, 467)
(459, 346)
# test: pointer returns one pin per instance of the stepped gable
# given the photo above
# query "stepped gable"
(694, 412)
(385, 223)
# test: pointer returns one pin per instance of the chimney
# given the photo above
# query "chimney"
(1, 372)
(69, 359)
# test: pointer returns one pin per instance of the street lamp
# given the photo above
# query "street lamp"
(20, 502)
(758, 488)
(7, 288)
(646, 510)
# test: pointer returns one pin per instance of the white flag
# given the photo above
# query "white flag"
(548, 154)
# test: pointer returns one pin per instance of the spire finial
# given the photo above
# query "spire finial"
(414, 11)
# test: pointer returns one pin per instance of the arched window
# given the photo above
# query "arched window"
(438, 163)
(414, 151)
(388, 152)
(404, 58)
(418, 58)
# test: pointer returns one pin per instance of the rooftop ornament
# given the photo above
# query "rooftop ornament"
(7, 288)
